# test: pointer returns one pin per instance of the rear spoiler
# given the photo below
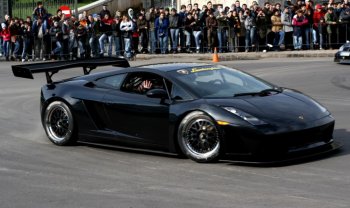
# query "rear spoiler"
(51, 68)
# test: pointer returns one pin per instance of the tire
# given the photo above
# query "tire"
(59, 124)
(199, 138)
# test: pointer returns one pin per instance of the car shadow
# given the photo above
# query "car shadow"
(341, 137)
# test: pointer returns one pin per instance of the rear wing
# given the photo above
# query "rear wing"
(51, 68)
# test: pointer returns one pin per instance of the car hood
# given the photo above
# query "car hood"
(287, 108)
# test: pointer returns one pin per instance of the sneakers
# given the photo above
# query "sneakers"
(23, 60)
(0, 54)
(269, 45)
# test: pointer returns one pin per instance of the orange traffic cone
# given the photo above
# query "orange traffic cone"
(215, 56)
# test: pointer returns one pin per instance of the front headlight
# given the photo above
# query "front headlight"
(245, 116)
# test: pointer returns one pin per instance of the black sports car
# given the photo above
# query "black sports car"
(343, 54)
(200, 110)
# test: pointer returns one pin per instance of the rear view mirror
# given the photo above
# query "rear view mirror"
(157, 93)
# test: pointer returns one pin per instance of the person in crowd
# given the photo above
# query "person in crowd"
(331, 22)
(56, 40)
(250, 27)
(106, 34)
(40, 12)
(117, 34)
(174, 25)
(126, 27)
(94, 34)
(39, 31)
(104, 11)
(142, 27)
(6, 37)
(223, 26)
(189, 22)
(308, 13)
(317, 27)
(81, 34)
(234, 27)
(162, 26)
(14, 28)
(212, 27)
(286, 19)
(151, 17)
(197, 31)
(65, 38)
(277, 28)
(262, 29)
(298, 22)
(27, 38)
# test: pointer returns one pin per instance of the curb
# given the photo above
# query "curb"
(244, 56)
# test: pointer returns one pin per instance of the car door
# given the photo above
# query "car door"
(138, 117)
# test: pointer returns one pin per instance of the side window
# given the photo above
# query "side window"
(141, 82)
(114, 81)
(178, 93)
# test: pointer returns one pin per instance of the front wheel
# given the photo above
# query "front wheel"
(199, 137)
(59, 123)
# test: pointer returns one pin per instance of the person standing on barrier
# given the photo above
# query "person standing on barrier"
(331, 22)
(126, 27)
(174, 25)
(162, 25)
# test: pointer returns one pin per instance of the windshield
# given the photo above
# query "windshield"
(219, 81)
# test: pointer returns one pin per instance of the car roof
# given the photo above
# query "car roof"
(172, 66)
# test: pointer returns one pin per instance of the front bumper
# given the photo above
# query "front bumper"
(269, 144)
(342, 57)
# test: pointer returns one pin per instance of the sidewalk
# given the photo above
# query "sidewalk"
(243, 55)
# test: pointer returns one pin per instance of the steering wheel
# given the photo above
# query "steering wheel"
(216, 82)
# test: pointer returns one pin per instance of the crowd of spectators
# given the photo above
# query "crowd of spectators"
(291, 26)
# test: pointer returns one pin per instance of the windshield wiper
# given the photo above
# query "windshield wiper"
(261, 93)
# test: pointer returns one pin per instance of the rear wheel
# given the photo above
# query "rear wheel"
(59, 123)
(199, 138)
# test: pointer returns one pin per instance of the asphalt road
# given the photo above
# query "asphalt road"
(36, 173)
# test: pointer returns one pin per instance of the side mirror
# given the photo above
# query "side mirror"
(157, 93)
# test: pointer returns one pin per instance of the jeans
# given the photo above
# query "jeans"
(221, 39)
(27, 49)
(93, 42)
(307, 37)
(6, 48)
(317, 38)
(16, 48)
(81, 45)
(1, 47)
(297, 42)
(279, 38)
(58, 49)
(118, 46)
(174, 34)
(127, 49)
(153, 41)
(197, 35)
(163, 43)
(101, 41)
(188, 38)
(250, 37)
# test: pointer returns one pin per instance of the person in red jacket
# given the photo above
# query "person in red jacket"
(298, 22)
(318, 21)
(6, 37)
